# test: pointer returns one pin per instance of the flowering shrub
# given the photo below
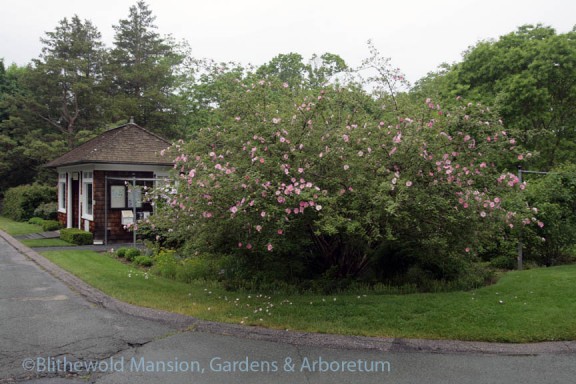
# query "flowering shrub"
(301, 183)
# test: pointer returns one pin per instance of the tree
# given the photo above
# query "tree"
(529, 76)
(143, 72)
(291, 69)
(65, 84)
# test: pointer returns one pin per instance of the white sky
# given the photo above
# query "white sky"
(417, 35)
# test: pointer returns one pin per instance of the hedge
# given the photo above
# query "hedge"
(76, 236)
(20, 202)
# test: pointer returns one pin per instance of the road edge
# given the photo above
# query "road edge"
(183, 322)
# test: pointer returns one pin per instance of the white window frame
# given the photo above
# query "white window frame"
(88, 198)
(62, 181)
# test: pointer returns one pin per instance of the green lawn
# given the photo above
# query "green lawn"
(15, 228)
(35, 243)
(526, 306)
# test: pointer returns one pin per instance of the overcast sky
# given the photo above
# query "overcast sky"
(417, 35)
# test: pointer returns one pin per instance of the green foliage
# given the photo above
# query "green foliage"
(36, 220)
(298, 183)
(144, 261)
(165, 264)
(132, 253)
(47, 211)
(195, 268)
(554, 194)
(50, 225)
(143, 72)
(21, 202)
(71, 64)
(76, 236)
(528, 75)
(121, 252)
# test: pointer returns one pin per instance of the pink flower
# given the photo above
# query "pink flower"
(269, 247)
(248, 246)
(263, 213)
(346, 167)
(239, 245)
(541, 224)
(346, 138)
(520, 157)
(408, 183)
(234, 209)
(280, 232)
(259, 228)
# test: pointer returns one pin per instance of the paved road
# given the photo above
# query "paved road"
(51, 333)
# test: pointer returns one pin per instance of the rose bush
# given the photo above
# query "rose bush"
(300, 183)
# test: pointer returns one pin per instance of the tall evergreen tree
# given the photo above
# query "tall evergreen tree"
(65, 83)
(143, 68)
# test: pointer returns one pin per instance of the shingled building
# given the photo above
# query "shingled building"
(94, 181)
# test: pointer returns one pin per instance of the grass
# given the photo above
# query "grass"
(527, 306)
(37, 243)
(15, 228)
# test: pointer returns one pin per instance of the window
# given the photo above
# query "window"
(88, 193)
(62, 192)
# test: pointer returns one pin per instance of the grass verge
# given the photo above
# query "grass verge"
(16, 228)
(37, 243)
(527, 306)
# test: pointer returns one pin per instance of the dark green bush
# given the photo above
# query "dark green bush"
(50, 225)
(144, 261)
(76, 236)
(503, 262)
(121, 252)
(132, 253)
(21, 202)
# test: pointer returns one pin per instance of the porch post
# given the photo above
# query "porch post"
(69, 208)
(105, 208)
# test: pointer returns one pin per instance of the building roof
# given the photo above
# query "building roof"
(127, 144)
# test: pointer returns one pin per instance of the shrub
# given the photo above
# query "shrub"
(36, 221)
(47, 211)
(503, 262)
(132, 253)
(121, 252)
(47, 225)
(196, 268)
(50, 225)
(21, 202)
(165, 264)
(76, 236)
(144, 261)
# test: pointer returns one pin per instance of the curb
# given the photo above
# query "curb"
(187, 323)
